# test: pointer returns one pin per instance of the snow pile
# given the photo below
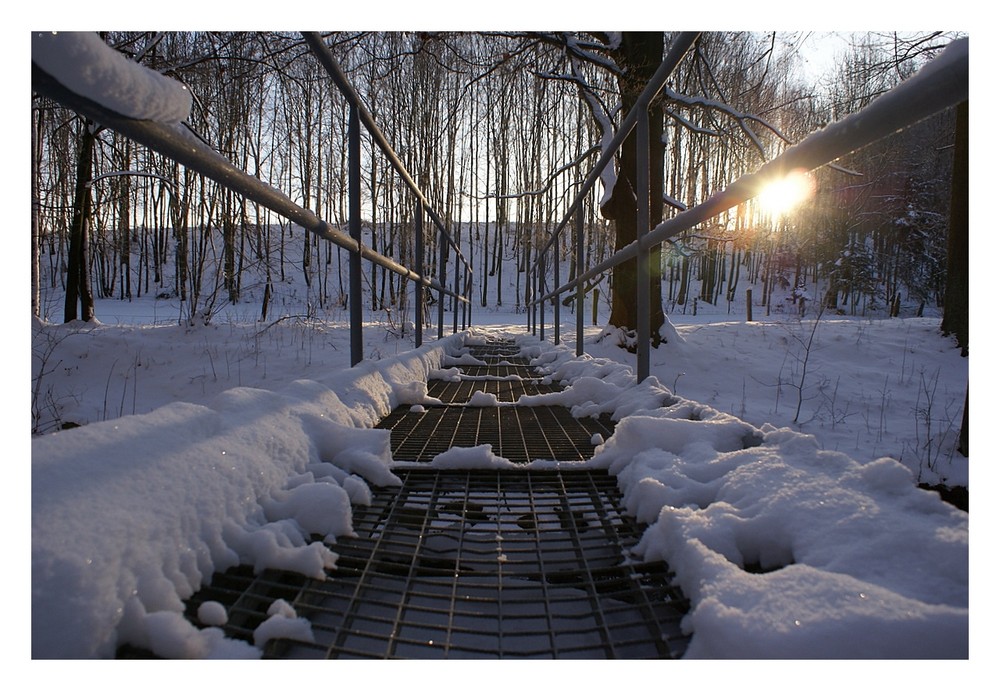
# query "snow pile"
(482, 399)
(282, 622)
(785, 550)
(452, 374)
(468, 458)
(133, 515)
(88, 67)
(593, 385)
(414, 393)
(459, 359)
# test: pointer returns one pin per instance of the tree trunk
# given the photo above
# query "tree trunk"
(640, 55)
(36, 149)
(78, 274)
(956, 302)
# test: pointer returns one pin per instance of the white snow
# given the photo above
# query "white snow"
(282, 622)
(132, 514)
(201, 447)
(82, 62)
(481, 456)
(482, 399)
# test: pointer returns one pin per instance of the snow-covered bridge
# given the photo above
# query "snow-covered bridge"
(321, 519)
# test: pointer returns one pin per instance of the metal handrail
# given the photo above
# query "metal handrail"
(940, 84)
(359, 114)
(678, 49)
(329, 62)
(179, 143)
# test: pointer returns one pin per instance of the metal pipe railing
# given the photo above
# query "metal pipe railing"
(177, 142)
(678, 49)
(360, 113)
(329, 62)
(941, 84)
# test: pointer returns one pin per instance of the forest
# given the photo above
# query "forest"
(498, 129)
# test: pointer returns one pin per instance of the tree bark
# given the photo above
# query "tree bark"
(78, 273)
(956, 302)
(639, 54)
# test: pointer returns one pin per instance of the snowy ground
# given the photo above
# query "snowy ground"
(229, 442)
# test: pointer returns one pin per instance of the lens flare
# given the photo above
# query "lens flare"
(781, 196)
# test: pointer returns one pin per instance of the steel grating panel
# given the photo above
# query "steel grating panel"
(476, 563)
(519, 434)
(485, 564)
(523, 371)
(506, 390)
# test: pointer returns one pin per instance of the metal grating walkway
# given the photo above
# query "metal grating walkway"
(506, 390)
(477, 563)
(517, 434)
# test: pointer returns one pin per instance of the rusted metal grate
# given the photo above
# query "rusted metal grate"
(519, 434)
(485, 564)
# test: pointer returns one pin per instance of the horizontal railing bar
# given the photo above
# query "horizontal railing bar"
(329, 62)
(179, 143)
(941, 84)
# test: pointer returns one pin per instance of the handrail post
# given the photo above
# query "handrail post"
(580, 293)
(455, 301)
(540, 290)
(642, 277)
(354, 262)
(529, 281)
(418, 286)
(468, 296)
(555, 301)
(442, 279)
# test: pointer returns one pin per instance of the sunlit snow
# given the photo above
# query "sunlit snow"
(790, 542)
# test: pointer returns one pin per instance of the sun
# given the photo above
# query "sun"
(782, 195)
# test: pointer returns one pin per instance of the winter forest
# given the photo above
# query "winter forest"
(497, 129)
(830, 319)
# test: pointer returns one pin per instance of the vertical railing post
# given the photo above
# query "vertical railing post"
(540, 291)
(468, 295)
(455, 303)
(642, 261)
(580, 292)
(442, 279)
(418, 286)
(354, 202)
(555, 301)
(529, 280)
